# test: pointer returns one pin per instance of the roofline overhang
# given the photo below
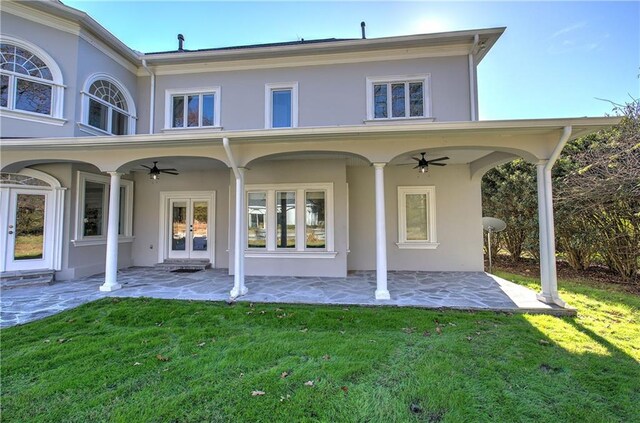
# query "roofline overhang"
(521, 127)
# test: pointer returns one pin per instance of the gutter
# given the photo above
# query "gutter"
(152, 96)
(472, 79)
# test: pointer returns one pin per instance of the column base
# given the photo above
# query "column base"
(109, 288)
(550, 299)
(382, 294)
(235, 293)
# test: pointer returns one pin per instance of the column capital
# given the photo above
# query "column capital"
(115, 173)
(379, 165)
(542, 162)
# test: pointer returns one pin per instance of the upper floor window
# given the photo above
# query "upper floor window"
(108, 107)
(398, 97)
(195, 108)
(281, 105)
(29, 82)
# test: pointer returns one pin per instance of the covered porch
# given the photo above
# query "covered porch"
(434, 290)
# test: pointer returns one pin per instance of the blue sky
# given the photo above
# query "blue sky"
(554, 60)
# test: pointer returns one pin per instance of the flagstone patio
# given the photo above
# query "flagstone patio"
(447, 290)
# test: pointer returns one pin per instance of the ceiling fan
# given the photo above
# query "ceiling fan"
(154, 172)
(423, 163)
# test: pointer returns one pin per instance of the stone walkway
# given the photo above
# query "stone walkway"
(451, 290)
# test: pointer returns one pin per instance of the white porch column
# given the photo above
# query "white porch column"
(382, 293)
(239, 287)
(111, 266)
(548, 276)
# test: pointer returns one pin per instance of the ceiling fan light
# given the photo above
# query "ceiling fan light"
(155, 177)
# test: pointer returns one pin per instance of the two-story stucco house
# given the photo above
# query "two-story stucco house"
(299, 158)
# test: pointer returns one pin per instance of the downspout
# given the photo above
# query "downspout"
(472, 79)
(238, 277)
(550, 250)
(152, 96)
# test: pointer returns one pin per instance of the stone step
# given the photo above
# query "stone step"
(16, 279)
(172, 265)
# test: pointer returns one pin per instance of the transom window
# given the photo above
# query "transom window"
(193, 108)
(290, 217)
(416, 217)
(281, 105)
(108, 108)
(398, 98)
(27, 82)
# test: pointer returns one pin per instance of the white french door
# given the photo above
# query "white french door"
(28, 231)
(190, 228)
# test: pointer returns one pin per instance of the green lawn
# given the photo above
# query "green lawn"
(133, 360)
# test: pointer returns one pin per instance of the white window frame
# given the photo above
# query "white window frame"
(168, 107)
(130, 113)
(404, 79)
(268, 103)
(57, 87)
(430, 243)
(127, 236)
(301, 250)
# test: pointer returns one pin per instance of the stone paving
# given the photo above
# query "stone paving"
(454, 290)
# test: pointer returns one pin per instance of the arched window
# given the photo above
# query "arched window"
(29, 79)
(108, 106)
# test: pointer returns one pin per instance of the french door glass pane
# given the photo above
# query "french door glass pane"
(29, 231)
(200, 225)
(193, 111)
(179, 226)
(416, 101)
(4, 90)
(207, 109)
(380, 101)
(315, 221)
(98, 115)
(119, 123)
(397, 100)
(33, 96)
(281, 109)
(256, 219)
(93, 208)
(178, 112)
(286, 219)
(417, 219)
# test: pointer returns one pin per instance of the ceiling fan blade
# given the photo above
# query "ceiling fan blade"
(169, 169)
(168, 172)
(145, 166)
(438, 159)
(404, 164)
(418, 167)
(416, 159)
(437, 164)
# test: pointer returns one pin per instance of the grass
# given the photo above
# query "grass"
(130, 360)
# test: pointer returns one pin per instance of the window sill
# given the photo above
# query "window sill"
(194, 129)
(32, 117)
(291, 254)
(399, 120)
(417, 245)
(93, 131)
(99, 241)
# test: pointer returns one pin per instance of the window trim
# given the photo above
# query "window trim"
(85, 97)
(430, 243)
(301, 250)
(56, 83)
(80, 238)
(268, 103)
(168, 107)
(426, 86)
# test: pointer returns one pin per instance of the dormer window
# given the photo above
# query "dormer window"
(398, 97)
(108, 108)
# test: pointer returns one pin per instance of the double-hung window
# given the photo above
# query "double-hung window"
(417, 217)
(281, 105)
(290, 218)
(398, 97)
(196, 108)
(92, 209)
